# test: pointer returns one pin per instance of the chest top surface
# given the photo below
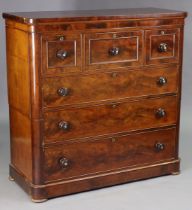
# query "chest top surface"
(92, 15)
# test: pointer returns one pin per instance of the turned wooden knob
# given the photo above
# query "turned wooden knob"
(162, 81)
(114, 51)
(160, 113)
(159, 146)
(163, 47)
(63, 125)
(64, 162)
(61, 54)
(63, 91)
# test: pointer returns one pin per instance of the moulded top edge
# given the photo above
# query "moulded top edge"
(91, 15)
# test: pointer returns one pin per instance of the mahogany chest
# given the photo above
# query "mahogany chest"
(94, 97)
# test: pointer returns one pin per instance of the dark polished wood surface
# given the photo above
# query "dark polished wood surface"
(111, 50)
(88, 157)
(154, 38)
(94, 97)
(109, 118)
(86, 15)
(107, 86)
(62, 53)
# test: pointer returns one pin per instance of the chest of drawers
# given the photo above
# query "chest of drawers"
(94, 97)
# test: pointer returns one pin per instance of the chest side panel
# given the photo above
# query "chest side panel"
(19, 99)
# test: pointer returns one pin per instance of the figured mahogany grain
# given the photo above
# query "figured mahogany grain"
(18, 70)
(103, 155)
(52, 43)
(21, 150)
(109, 118)
(88, 15)
(19, 100)
(98, 45)
(153, 40)
(108, 86)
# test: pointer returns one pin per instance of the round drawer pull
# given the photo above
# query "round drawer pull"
(63, 91)
(162, 81)
(114, 51)
(160, 113)
(63, 162)
(63, 125)
(163, 47)
(159, 146)
(61, 54)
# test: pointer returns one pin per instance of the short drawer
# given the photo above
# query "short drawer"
(80, 122)
(113, 49)
(61, 91)
(162, 46)
(104, 155)
(61, 53)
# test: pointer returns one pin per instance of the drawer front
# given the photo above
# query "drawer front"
(113, 49)
(108, 154)
(162, 46)
(109, 118)
(60, 91)
(61, 53)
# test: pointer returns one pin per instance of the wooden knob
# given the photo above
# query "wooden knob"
(63, 125)
(114, 51)
(160, 113)
(163, 47)
(64, 162)
(159, 146)
(63, 91)
(61, 54)
(162, 81)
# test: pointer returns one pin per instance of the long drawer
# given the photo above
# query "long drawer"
(83, 158)
(80, 122)
(75, 89)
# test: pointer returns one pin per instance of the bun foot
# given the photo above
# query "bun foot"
(38, 200)
(11, 178)
(175, 173)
